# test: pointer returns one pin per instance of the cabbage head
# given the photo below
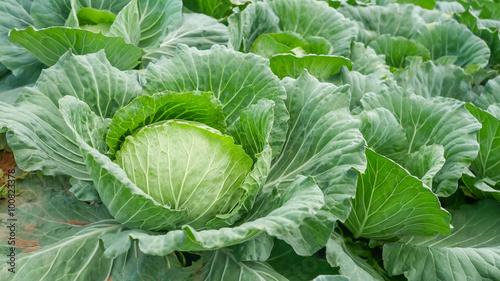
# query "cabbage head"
(186, 165)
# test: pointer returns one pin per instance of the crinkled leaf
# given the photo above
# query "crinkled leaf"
(253, 128)
(143, 23)
(53, 234)
(490, 95)
(24, 66)
(47, 13)
(430, 121)
(359, 84)
(338, 254)
(393, 19)
(366, 61)
(494, 110)
(222, 266)
(428, 79)
(383, 133)
(46, 212)
(90, 78)
(257, 249)
(297, 268)
(397, 49)
(470, 252)
(318, 45)
(237, 80)
(77, 256)
(127, 24)
(37, 133)
(196, 30)
(486, 166)
(426, 162)
(321, 129)
(390, 202)
(135, 265)
(315, 18)
(480, 188)
(453, 39)
(155, 17)
(245, 26)
(84, 190)
(276, 215)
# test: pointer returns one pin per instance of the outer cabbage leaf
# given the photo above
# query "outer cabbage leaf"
(298, 268)
(146, 22)
(359, 84)
(397, 49)
(58, 235)
(390, 203)
(453, 39)
(253, 131)
(222, 265)
(319, 66)
(441, 121)
(37, 133)
(126, 24)
(323, 142)
(428, 79)
(271, 44)
(487, 29)
(92, 79)
(470, 252)
(315, 18)
(351, 265)
(486, 183)
(320, 129)
(48, 45)
(383, 133)
(366, 61)
(24, 66)
(393, 19)
(245, 26)
(426, 162)
(47, 13)
(214, 8)
(490, 95)
(196, 30)
(237, 80)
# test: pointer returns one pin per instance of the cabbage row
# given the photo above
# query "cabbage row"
(251, 140)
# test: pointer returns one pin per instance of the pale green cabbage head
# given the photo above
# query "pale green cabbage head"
(186, 165)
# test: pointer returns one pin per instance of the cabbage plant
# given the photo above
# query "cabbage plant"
(184, 163)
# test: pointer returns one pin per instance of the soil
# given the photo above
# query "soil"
(74, 222)
(27, 246)
(7, 162)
